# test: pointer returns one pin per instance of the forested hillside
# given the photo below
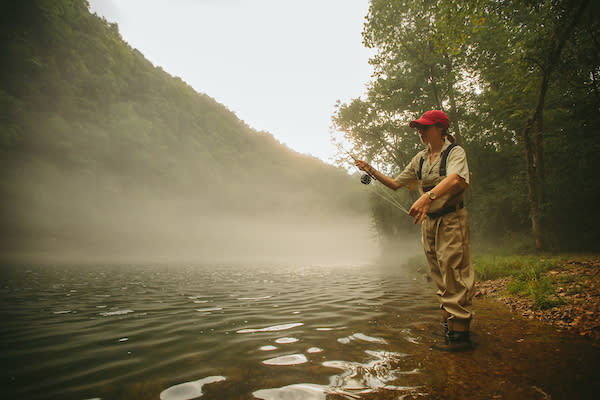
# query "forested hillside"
(520, 81)
(102, 151)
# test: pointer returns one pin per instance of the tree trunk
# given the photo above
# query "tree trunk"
(532, 183)
(534, 152)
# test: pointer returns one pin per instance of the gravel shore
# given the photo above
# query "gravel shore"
(577, 284)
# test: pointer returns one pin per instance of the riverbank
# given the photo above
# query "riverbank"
(511, 358)
(536, 335)
(563, 292)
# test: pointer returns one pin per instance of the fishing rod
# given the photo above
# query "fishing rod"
(367, 178)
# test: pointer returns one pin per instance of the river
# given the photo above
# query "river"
(174, 332)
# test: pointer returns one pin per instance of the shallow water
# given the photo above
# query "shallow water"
(224, 332)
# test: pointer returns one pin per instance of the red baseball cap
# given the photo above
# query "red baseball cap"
(430, 118)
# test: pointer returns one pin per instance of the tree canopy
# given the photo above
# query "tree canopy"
(519, 81)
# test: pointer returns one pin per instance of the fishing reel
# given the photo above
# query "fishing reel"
(365, 179)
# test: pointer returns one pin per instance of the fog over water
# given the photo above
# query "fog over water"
(107, 157)
(148, 170)
(221, 239)
(67, 217)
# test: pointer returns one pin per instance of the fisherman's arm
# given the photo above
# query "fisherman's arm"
(451, 183)
(386, 180)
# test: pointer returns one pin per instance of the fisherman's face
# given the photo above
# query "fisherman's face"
(423, 129)
(429, 133)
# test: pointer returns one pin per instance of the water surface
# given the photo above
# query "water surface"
(123, 332)
(175, 332)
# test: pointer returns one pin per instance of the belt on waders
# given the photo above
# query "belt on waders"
(446, 210)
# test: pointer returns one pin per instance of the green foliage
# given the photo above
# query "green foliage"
(89, 126)
(528, 276)
(530, 283)
(483, 62)
(540, 290)
(495, 267)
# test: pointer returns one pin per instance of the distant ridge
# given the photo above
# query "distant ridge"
(98, 145)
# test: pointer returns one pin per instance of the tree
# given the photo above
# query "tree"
(414, 70)
(536, 34)
(500, 69)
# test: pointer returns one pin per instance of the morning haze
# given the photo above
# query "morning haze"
(107, 158)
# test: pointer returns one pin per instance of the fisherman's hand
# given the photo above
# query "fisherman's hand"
(419, 208)
(363, 166)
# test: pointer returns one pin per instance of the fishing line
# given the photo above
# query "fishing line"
(387, 197)
(366, 179)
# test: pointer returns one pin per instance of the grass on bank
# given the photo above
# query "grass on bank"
(496, 267)
(529, 273)
(529, 276)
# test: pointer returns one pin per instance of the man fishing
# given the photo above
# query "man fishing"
(442, 173)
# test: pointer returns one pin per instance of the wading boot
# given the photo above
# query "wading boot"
(457, 340)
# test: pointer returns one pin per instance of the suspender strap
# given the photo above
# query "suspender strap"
(445, 158)
(442, 162)
(420, 173)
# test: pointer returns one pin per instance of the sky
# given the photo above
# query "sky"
(280, 65)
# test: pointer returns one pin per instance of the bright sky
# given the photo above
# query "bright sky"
(280, 65)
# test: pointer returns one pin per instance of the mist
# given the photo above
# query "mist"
(72, 217)
(105, 157)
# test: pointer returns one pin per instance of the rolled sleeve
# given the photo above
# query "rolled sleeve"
(408, 177)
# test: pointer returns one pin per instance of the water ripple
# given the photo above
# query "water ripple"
(83, 332)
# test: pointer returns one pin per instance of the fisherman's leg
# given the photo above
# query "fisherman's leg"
(454, 255)
(428, 232)
(429, 239)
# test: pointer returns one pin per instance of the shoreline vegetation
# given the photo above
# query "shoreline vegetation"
(561, 290)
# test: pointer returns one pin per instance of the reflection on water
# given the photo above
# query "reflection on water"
(286, 340)
(373, 375)
(188, 390)
(300, 392)
(176, 332)
(293, 359)
(272, 328)
(363, 337)
(222, 332)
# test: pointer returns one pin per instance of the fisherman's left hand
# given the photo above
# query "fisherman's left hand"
(419, 208)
